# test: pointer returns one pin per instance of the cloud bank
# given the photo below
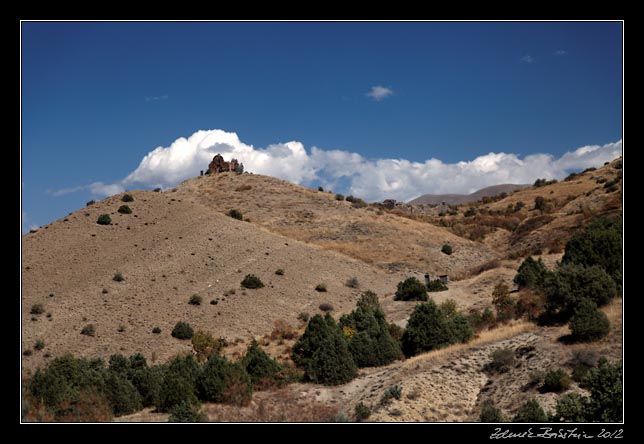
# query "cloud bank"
(347, 172)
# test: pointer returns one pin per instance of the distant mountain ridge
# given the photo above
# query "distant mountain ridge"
(455, 199)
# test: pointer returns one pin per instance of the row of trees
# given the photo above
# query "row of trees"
(79, 389)
(588, 277)
(331, 353)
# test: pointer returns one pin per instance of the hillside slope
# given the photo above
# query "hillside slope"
(451, 199)
(168, 250)
(370, 235)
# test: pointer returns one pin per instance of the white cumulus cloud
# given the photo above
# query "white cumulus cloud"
(349, 172)
(379, 93)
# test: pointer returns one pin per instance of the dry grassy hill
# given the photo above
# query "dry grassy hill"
(368, 234)
(168, 250)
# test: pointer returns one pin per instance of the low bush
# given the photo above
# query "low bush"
(182, 330)
(156, 330)
(502, 360)
(352, 282)
(339, 197)
(489, 413)
(124, 209)
(392, 392)
(88, 330)
(320, 288)
(118, 277)
(588, 323)
(556, 381)
(104, 219)
(530, 411)
(447, 249)
(279, 272)
(411, 289)
(436, 285)
(91, 202)
(325, 306)
(127, 198)
(186, 412)
(235, 214)
(195, 299)
(37, 309)
(362, 412)
(252, 282)
(39, 345)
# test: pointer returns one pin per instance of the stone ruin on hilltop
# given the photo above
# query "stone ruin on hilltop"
(219, 165)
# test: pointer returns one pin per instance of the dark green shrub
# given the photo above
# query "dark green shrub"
(224, 381)
(91, 202)
(325, 307)
(362, 412)
(147, 381)
(339, 197)
(460, 329)
(427, 329)
(182, 330)
(174, 391)
(157, 190)
(39, 345)
(599, 244)
(571, 407)
(489, 413)
(371, 344)
(195, 299)
(279, 272)
(321, 189)
(392, 392)
(606, 396)
(121, 394)
(588, 323)
(352, 282)
(581, 362)
(530, 411)
(118, 277)
(411, 289)
(124, 209)
(540, 203)
(235, 214)
(502, 360)
(186, 412)
(556, 381)
(571, 283)
(530, 274)
(88, 330)
(447, 249)
(127, 198)
(436, 285)
(37, 309)
(261, 367)
(321, 288)
(156, 330)
(251, 281)
(104, 219)
(323, 354)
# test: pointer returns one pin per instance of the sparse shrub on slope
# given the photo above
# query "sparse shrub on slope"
(436, 285)
(447, 249)
(124, 209)
(251, 281)
(261, 367)
(502, 360)
(427, 329)
(361, 412)
(182, 330)
(588, 323)
(37, 309)
(504, 304)
(530, 411)
(127, 198)
(571, 407)
(88, 330)
(411, 289)
(235, 214)
(599, 244)
(556, 381)
(195, 299)
(323, 354)
(89, 203)
(489, 413)
(104, 219)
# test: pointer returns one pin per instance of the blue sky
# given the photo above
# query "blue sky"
(367, 106)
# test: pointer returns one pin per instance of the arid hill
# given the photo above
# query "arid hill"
(367, 234)
(451, 199)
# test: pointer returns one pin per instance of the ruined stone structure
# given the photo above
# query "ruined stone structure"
(219, 165)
